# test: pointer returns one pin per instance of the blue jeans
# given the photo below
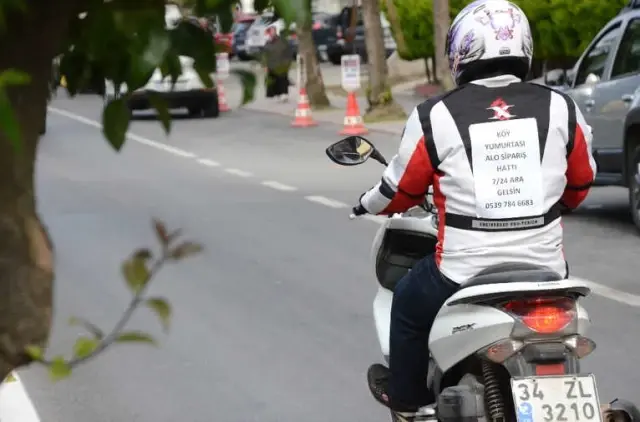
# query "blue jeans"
(417, 298)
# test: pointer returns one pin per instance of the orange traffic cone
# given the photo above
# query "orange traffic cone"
(222, 98)
(303, 111)
(353, 124)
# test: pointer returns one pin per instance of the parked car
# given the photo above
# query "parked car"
(605, 83)
(240, 29)
(188, 92)
(323, 30)
(344, 41)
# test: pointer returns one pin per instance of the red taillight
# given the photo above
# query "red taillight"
(317, 25)
(544, 315)
(550, 369)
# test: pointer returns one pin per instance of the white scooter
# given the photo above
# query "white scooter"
(505, 347)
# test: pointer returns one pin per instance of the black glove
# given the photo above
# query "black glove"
(359, 210)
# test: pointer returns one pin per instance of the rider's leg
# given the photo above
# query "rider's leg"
(417, 299)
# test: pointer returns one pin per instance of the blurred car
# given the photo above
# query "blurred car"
(323, 32)
(605, 84)
(345, 40)
(240, 29)
(189, 92)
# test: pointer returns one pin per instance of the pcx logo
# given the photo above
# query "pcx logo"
(500, 110)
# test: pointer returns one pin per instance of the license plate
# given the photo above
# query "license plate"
(572, 398)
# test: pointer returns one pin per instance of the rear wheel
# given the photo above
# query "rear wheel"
(634, 185)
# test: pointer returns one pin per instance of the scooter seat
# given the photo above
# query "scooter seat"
(512, 272)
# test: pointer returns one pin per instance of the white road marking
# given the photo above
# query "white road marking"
(208, 163)
(612, 294)
(131, 136)
(278, 186)
(238, 172)
(15, 404)
(327, 202)
(598, 289)
(171, 150)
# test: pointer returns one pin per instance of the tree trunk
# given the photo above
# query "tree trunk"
(441, 24)
(307, 49)
(434, 68)
(394, 21)
(381, 103)
(427, 70)
(26, 257)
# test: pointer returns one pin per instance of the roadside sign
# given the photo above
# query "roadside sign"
(350, 66)
(222, 65)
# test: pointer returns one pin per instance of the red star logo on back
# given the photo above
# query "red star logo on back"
(500, 110)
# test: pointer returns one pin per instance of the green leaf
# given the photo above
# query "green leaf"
(157, 47)
(59, 369)
(115, 122)
(185, 250)
(162, 109)
(9, 123)
(35, 352)
(135, 337)
(84, 347)
(136, 274)
(162, 309)
(248, 80)
(14, 77)
(204, 74)
(90, 327)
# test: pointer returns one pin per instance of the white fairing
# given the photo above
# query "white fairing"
(487, 324)
(482, 325)
(384, 297)
(382, 317)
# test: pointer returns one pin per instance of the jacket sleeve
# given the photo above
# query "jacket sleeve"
(581, 167)
(406, 180)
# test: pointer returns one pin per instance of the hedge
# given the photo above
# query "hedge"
(561, 28)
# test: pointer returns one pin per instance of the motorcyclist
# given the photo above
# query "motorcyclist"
(504, 157)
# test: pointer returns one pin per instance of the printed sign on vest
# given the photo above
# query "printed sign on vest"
(506, 169)
(350, 66)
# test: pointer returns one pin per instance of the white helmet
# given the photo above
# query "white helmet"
(489, 37)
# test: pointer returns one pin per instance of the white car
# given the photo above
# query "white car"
(189, 92)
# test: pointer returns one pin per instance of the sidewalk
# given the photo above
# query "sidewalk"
(334, 115)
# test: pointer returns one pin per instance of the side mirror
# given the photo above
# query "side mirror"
(350, 151)
(592, 79)
(354, 150)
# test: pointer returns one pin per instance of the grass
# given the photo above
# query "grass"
(386, 113)
(396, 80)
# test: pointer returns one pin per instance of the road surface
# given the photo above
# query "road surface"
(273, 321)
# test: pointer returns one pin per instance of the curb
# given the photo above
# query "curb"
(319, 120)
